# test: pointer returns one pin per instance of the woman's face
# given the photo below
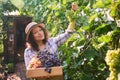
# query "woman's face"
(38, 34)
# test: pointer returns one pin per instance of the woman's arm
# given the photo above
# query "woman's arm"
(60, 39)
(72, 23)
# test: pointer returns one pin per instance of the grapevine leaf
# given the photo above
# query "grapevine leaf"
(90, 53)
(102, 3)
(104, 38)
(64, 1)
(18, 3)
(102, 26)
(92, 17)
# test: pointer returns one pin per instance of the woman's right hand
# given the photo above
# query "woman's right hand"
(70, 17)
(74, 6)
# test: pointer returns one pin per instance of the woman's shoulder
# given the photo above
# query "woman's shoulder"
(28, 50)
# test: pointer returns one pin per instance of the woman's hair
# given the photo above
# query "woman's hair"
(32, 42)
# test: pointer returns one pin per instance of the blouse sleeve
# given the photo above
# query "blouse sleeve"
(62, 38)
(28, 54)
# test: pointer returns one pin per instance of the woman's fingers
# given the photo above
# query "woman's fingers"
(43, 25)
(74, 6)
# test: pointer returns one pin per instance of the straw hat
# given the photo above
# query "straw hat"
(29, 27)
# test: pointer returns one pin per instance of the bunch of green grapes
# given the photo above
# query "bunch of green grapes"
(113, 61)
(71, 15)
(77, 76)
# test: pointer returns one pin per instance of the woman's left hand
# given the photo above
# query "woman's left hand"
(43, 25)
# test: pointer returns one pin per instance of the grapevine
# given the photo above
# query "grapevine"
(113, 61)
(72, 14)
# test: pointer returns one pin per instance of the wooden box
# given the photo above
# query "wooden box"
(41, 74)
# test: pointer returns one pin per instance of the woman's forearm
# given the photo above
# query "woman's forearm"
(72, 22)
(71, 25)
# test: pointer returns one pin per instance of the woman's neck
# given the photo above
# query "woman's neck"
(41, 45)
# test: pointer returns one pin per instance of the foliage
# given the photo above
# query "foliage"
(112, 59)
(5, 7)
(10, 67)
(96, 32)
(1, 48)
(3, 69)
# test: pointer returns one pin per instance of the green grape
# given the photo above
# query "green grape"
(71, 15)
(113, 61)
(113, 75)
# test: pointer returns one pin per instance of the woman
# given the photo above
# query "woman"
(38, 42)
